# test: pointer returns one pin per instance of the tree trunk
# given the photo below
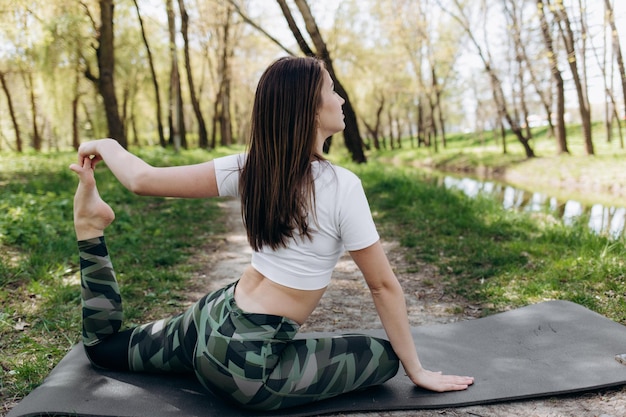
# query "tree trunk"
(515, 127)
(390, 127)
(421, 137)
(616, 47)
(567, 34)
(216, 117)
(249, 21)
(75, 136)
(560, 133)
(203, 140)
(375, 130)
(36, 140)
(176, 121)
(295, 30)
(125, 100)
(106, 69)
(438, 107)
(503, 134)
(410, 128)
(16, 126)
(133, 124)
(155, 81)
(433, 132)
(496, 85)
(226, 127)
(75, 105)
(351, 133)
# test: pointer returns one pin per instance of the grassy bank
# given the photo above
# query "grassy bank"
(503, 259)
(496, 258)
(588, 179)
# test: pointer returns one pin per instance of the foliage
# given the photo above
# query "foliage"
(407, 65)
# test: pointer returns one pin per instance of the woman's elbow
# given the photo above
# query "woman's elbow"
(385, 287)
(139, 184)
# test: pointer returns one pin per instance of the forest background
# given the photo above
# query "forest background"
(529, 91)
(183, 73)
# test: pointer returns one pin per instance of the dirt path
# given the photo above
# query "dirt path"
(347, 305)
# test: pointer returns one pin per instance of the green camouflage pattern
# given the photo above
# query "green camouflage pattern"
(100, 293)
(252, 359)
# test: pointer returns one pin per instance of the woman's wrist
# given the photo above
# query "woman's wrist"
(413, 370)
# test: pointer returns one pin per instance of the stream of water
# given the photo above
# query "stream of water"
(602, 219)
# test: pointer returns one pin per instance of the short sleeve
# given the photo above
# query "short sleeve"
(356, 224)
(227, 171)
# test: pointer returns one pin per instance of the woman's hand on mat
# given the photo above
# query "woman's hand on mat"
(437, 381)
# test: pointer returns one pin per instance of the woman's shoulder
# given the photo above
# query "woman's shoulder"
(328, 173)
(227, 170)
(341, 171)
(230, 161)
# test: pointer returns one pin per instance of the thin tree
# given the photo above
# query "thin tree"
(176, 120)
(155, 81)
(617, 51)
(374, 130)
(16, 126)
(559, 115)
(616, 46)
(496, 84)
(514, 12)
(421, 50)
(514, 17)
(221, 105)
(203, 140)
(105, 81)
(567, 34)
(351, 134)
(610, 103)
(75, 102)
(416, 46)
(252, 23)
(36, 138)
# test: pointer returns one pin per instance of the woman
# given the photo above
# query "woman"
(300, 213)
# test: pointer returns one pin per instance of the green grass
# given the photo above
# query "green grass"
(499, 259)
(151, 240)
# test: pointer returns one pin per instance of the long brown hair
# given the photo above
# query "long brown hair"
(276, 183)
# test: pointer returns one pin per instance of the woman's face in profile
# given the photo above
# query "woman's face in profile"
(330, 117)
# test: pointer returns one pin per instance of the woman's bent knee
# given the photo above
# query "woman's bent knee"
(111, 353)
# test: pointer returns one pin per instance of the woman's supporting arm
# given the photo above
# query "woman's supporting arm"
(144, 179)
(391, 307)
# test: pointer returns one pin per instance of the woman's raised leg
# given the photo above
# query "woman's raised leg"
(152, 347)
(101, 299)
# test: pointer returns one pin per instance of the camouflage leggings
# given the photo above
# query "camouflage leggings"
(253, 359)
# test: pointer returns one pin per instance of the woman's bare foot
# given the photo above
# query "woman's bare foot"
(91, 214)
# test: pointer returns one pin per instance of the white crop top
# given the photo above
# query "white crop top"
(344, 222)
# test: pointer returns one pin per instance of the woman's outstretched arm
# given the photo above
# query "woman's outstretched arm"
(191, 181)
(391, 306)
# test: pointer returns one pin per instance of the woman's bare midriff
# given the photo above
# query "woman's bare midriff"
(257, 294)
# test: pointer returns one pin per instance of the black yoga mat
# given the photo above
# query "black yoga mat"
(551, 348)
